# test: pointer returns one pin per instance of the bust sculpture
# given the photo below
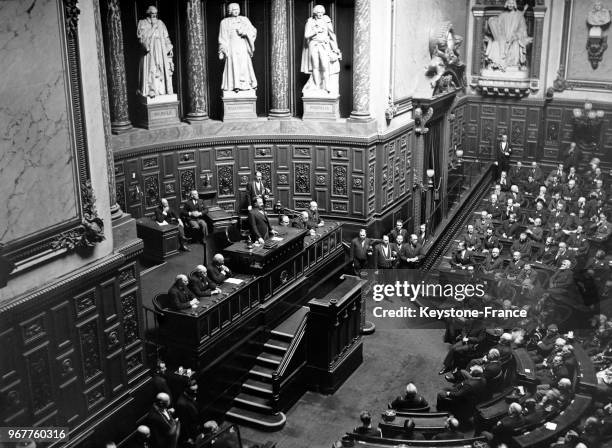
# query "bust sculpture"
(237, 45)
(507, 39)
(156, 66)
(320, 54)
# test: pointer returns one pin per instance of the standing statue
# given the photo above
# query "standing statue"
(507, 39)
(236, 45)
(156, 67)
(320, 54)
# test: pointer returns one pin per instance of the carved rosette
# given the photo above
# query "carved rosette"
(361, 61)
(196, 55)
(116, 69)
(280, 64)
(302, 178)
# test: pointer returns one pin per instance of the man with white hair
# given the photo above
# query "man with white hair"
(301, 222)
(199, 283)
(506, 426)
(460, 397)
(411, 400)
(314, 219)
(180, 296)
(217, 271)
(165, 428)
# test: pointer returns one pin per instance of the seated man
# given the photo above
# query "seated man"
(461, 397)
(527, 277)
(180, 296)
(493, 263)
(199, 284)
(451, 431)
(217, 271)
(531, 187)
(301, 222)
(482, 224)
(522, 245)
(557, 233)
(314, 220)
(563, 279)
(578, 243)
(570, 192)
(535, 171)
(366, 427)
(504, 181)
(510, 228)
(507, 425)
(543, 196)
(462, 257)
(495, 208)
(562, 254)
(410, 401)
(558, 215)
(489, 241)
(399, 230)
(283, 221)
(518, 173)
(164, 215)
(515, 266)
(466, 347)
(602, 227)
(559, 173)
(193, 213)
(535, 231)
(472, 241)
(260, 226)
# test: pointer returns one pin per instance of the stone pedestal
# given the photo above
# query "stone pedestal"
(158, 112)
(239, 106)
(321, 107)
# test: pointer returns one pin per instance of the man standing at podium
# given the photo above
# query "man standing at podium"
(261, 229)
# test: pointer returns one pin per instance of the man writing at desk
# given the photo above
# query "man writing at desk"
(261, 229)
(217, 271)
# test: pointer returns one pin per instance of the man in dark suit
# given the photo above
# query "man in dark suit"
(472, 240)
(260, 226)
(504, 181)
(188, 414)
(301, 222)
(385, 258)
(451, 431)
(510, 228)
(493, 263)
(366, 427)
(572, 156)
(165, 429)
(314, 219)
(563, 278)
(217, 271)
(165, 215)
(159, 380)
(522, 245)
(514, 267)
(561, 255)
(461, 398)
(489, 241)
(547, 252)
(199, 284)
(399, 230)
(559, 173)
(412, 253)
(194, 211)
(361, 248)
(504, 152)
(466, 347)
(462, 257)
(535, 171)
(256, 189)
(518, 173)
(180, 297)
(410, 401)
(423, 237)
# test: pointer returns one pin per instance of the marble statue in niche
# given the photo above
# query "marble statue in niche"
(445, 68)
(597, 20)
(236, 45)
(320, 54)
(507, 39)
(156, 66)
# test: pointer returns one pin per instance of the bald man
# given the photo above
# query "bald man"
(179, 294)
(165, 428)
(217, 271)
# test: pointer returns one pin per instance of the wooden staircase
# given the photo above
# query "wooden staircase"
(270, 386)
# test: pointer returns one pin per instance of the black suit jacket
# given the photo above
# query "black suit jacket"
(169, 217)
(189, 206)
(200, 286)
(313, 218)
(179, 297)
(383, 261)
(254, 192)
(259, 224)
(358, 251)
(164, 432)
(187, 412)
(214, 273)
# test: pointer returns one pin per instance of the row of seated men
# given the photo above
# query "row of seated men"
(394, 250)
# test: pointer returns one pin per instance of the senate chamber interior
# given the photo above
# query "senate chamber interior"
(295, 224)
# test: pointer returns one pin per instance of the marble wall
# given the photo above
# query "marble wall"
(37, 163)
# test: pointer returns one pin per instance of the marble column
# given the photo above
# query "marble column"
(478, 37)
(196, 55)
(280, 61)
(538, 34)
(361, 61)
(120, 120)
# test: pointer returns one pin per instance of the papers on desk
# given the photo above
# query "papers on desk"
(234, 281)
(276, 238)
(550, 426)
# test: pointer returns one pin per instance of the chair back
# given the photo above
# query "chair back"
(161, 301)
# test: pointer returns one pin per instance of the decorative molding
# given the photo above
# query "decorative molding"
(196, 55)
(88, 336)
(302, 177)
(71, 16)
(339, 180)
(282, 179)
(225, 180)
(129, 312)
(39, 379)
(280, 60)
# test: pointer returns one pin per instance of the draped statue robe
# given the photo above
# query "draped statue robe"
(238, 73)
(156, 67)
(509, 45)
(313, 44)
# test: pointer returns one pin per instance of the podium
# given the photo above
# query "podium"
(160, 242)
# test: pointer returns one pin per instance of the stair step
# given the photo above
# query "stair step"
(261, 373)
(250, 401)
(277, 346)
(257, 387)
(269, 359)
(266, 422)
(280, 335)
